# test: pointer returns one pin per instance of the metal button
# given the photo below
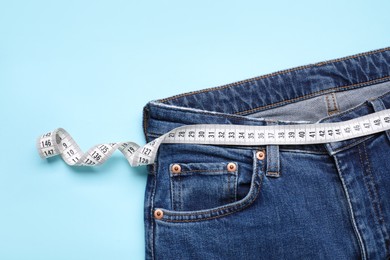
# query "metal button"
(158, 214)
(231, 167)
(176, 168)
(260, 155)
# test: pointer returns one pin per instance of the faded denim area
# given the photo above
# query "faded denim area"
(321, 201)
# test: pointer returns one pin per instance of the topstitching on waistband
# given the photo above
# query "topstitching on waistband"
(291, 85)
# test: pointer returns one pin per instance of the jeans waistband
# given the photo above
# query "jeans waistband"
(234, 103)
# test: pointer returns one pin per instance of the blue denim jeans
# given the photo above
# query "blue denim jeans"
(318, 201)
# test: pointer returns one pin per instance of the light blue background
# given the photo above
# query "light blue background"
(91, 66)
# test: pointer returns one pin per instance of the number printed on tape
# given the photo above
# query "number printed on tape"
(59, 142)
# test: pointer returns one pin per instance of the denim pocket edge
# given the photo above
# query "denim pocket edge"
(221, 211)
(216, 169)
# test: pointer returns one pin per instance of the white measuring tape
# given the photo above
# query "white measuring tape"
(60, 142)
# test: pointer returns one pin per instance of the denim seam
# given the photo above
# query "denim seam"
(318, 64)
(330, 109)
(356, 107)
(369, 170)
(351, 213)
(287, 101)
(365, 182)
(381, 107)
(235, 187)
(209, 211)
(327, 104)
(269, 161)
(173, 188)
(303, 151)
(221, 115)
(153, 135)
(151, 208)
(358, 141)
(145, 121)
(250, 202)
(271, 158)
(229, 188)
(202, 170)
(180, 192)
(263, 164)
(313, 94)
(336, 108)
(213, 113)
(370, 193)
(376, 194)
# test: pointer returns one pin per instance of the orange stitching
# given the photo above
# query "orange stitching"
(350, 206)
(263, 165)
(211, 211)
(241, 118)
(222, 215)
(367, 173)
(327, 103)
(220, 115)
(180, 191)
(364, 179)
(180, 207)
(349, 145)
(309, 95)
(230, 199)
(274, 74)
(202, 170)
(375, 190)
(334, 102)
(172, 193)
(334, 109)
(152, 238)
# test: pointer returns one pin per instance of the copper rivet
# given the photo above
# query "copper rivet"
(158, 214)
(260, 155)
(231, 167)
(176, 168)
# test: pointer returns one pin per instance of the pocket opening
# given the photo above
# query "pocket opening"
(196, 186)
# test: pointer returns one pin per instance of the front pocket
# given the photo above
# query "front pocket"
(197, 186)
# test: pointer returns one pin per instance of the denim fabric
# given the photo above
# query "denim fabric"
(321, 201)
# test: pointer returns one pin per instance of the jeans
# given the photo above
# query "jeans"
(317, 201)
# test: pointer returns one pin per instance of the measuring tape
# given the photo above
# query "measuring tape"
(60, 142)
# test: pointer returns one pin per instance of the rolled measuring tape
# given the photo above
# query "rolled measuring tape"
(59, 142)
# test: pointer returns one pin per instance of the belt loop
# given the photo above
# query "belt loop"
(331, 103)
(378, 105)
(273, 162)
